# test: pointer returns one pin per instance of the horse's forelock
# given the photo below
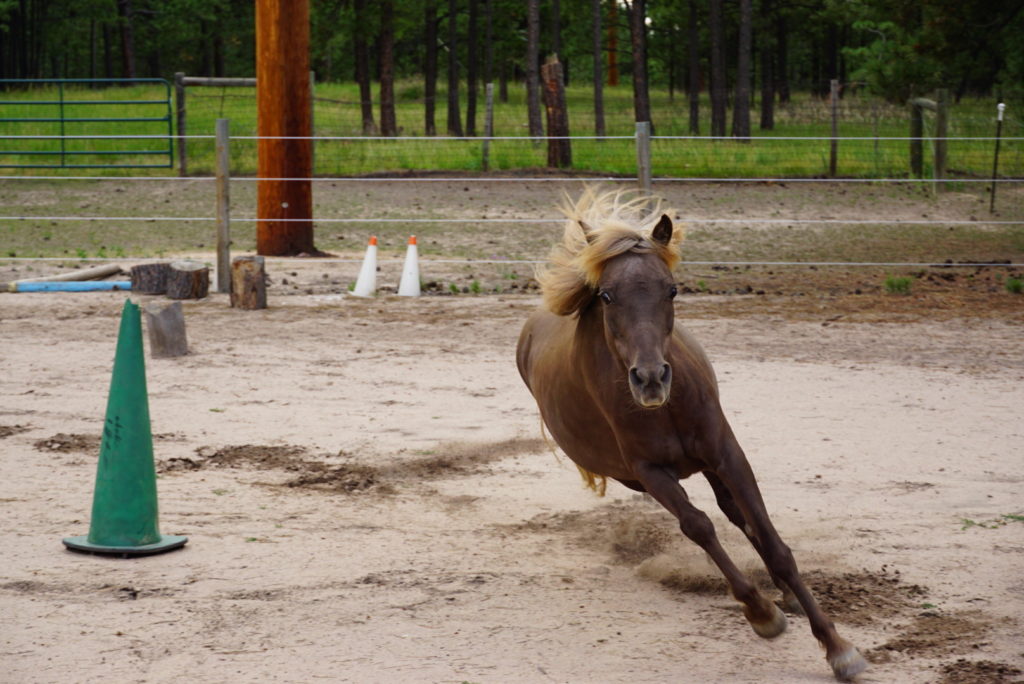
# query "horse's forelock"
(599, 227)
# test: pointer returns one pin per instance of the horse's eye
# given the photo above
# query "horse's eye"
(673, 292)
(605, 296)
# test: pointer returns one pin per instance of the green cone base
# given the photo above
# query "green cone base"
(168, 542)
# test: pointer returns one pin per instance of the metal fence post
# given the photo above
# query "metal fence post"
(643, 155)
(223, 208)
(179, 97)
(485, 161)
(1000, 108)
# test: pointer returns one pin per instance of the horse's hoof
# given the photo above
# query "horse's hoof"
(791, 605)
(848, 664)
(772, 627)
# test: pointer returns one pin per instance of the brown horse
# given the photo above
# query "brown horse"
(629, 395)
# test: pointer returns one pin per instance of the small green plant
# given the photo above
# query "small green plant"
(1014, 285)
(453, 288)
(81, 253)
(897, 285)
(220, 492)
(474, 287)
(702, 286)
(996, 523)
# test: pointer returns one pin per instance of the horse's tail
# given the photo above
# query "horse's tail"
(597, 483)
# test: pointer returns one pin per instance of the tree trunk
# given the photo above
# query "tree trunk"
(430, 68)
(362, 49)
(638, 38)
(488, 42)
(124, 12)
(284, 149)
(741, 107)
(693, 58)
(767, 72)
(108, 51)
(782, 58)
(718, 88)
(454, 116)
(388, 123)
(595, 11)
(613, 43)
(472, 67)
(559, 151)
(532, 75)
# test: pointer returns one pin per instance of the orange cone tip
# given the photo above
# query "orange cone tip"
(373, 239)
(412, 239)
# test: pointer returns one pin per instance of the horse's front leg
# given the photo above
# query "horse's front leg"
(765, 618)
(735, 474)
(735, 516)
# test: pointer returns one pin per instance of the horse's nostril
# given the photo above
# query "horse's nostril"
(666, 373)
(634, 377)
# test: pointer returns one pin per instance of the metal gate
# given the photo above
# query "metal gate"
(70, 126)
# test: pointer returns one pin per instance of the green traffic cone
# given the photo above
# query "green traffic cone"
(124, 505)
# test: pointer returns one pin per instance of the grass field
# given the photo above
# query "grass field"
(866, 127)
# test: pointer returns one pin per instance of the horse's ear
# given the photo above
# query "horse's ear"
(662, 232)
(588, 232)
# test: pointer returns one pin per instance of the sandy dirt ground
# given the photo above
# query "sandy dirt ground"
(368, 499)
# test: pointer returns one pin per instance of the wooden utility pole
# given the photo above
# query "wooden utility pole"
(283, 101)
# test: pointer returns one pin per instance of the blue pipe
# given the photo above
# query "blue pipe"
(74, 286)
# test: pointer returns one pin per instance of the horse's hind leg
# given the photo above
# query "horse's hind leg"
(736, 475)
(765, 618)
(735, 516)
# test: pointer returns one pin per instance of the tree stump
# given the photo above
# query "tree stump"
(188, 280)
(248, 283)
(149, 278)
(166, 326)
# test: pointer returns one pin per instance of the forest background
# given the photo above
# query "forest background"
(746, 56)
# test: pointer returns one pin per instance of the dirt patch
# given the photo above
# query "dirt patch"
(965, 671)
(863, 597)
(65, 443)
(258, 457)
(10, 430)
(934, 634)
(447, 460)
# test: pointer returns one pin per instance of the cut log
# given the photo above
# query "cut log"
(188, 280)
(150, 278)
(248, 283)
(166, 325)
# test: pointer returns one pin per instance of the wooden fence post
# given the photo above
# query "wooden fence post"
(834, 145)
(179, 97)
(916, 133)
(643, 155)
(223, 208)
(559, 145)
(488, 126)
(941, 126)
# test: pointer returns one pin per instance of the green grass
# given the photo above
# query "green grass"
(336, 113)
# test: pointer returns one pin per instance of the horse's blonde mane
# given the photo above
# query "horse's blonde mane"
(601, 225)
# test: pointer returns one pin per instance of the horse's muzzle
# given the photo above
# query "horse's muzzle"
(650, 385)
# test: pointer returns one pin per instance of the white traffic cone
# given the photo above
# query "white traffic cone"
(410, 283)
(366, 283)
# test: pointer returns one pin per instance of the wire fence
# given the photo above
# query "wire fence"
(44, 222)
